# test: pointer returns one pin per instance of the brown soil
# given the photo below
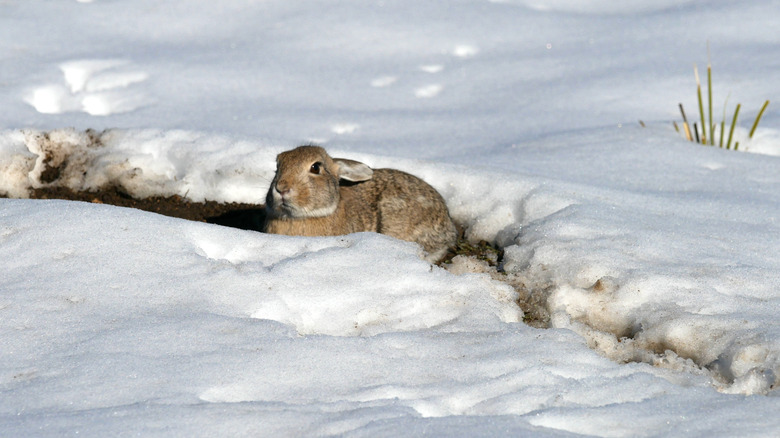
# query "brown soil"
(236, 215)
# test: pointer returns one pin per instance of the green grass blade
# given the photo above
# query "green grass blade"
(709, 102)
(758, 117)
(723, 121)
(701, 107)
(685, 124)
(733, 124)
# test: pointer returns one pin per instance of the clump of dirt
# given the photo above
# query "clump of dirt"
(485, 258)
(50, 172)
(481, 250)
(56, 156)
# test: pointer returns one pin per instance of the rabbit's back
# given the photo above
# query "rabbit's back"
(403, 206)
(410, 209)
(313, 194)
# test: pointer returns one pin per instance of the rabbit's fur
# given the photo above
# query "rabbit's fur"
(313, 194)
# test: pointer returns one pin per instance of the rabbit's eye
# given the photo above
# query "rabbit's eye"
(315, 168)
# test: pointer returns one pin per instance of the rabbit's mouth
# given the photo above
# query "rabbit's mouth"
(283, 205)
(287, 208)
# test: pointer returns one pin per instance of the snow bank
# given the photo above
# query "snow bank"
(640, 267)
(141, 163)
(116, 319)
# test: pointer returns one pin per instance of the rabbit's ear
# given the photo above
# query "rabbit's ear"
(352, 170)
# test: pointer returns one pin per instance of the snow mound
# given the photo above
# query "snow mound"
(611, 263)
(140, 163)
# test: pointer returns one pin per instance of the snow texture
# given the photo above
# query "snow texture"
(655, 262)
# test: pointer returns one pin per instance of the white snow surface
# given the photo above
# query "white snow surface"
(656, 260)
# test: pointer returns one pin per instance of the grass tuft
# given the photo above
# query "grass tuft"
(704, 133)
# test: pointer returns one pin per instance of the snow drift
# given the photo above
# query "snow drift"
(612, 267)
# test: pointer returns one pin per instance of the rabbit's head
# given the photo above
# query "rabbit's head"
(306, 183)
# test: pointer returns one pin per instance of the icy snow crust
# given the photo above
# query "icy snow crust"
(657, 261)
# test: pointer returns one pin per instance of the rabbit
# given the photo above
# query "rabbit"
(313, 194)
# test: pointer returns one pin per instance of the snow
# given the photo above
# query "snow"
(655, 262)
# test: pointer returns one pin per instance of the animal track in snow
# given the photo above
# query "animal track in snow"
(432, 68)
(428, 91)
(713, 165)
(462, 51)
(344, 128)
(383, 81)
(98, 87)
(465, 51)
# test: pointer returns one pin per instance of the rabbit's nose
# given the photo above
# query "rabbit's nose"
(282, 189)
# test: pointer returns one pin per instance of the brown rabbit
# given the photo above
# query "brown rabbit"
(313, 194)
